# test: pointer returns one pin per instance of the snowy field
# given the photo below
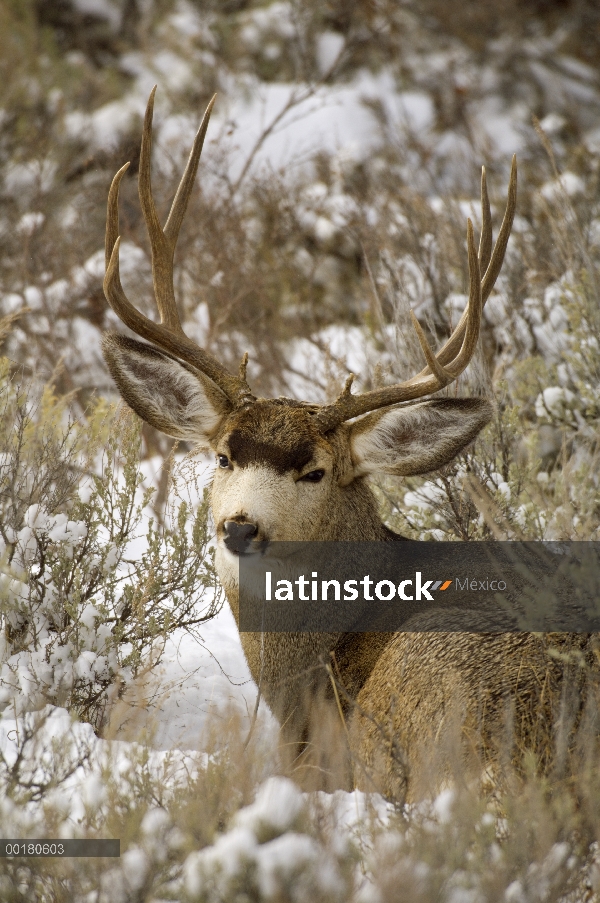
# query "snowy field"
(429, 124)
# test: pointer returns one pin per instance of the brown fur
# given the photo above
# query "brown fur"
(410, 704)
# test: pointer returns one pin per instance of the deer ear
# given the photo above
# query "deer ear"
(416, 439)
(172, 397)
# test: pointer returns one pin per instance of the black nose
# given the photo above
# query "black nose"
(238, 536)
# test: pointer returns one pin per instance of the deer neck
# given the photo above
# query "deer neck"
(274, 658)
(353, 516)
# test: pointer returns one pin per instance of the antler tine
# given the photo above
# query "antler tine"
(474, 310)
(485, 241)
(495, 264)
(162, 249)
(163, 241)
(180, 201)
(112, 215)
(168, 334)
(452, 346)
(179, 346)
(454, 357)
(484, 255)
(442, 376)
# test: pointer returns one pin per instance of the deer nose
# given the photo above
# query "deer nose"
(238, 536)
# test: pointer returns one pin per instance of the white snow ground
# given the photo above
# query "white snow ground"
(198, 683)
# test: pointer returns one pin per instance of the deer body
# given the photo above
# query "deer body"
(288, 470)
(405, 685)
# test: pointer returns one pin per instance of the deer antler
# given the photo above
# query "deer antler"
(442, 368)
(445, 366)
(169, 334)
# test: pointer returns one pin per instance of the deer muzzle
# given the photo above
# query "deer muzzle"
(239, 536)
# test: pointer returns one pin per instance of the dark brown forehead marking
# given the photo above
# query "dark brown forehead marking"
(278, 438)
(246, 449)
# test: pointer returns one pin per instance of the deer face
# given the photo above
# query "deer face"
(280, 475)
(273, 477)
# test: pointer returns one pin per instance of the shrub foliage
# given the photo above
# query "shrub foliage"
(83, 609)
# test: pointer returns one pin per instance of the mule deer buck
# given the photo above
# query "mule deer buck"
(291, 470)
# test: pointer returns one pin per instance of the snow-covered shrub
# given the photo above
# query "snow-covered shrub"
(210, 827)
(85, 606)
(270, 853)
(533, 472)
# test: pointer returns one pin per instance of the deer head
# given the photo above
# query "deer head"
(286, 469)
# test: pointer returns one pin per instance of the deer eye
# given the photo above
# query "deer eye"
(223, 461)
(314, 476)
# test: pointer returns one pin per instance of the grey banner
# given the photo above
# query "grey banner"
(475, 587)
(58, 849)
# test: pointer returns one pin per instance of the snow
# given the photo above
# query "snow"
(554, 401)
(568, 183)
(411, 110)
(270, 854)
(330, 45)
(102, 9)
(135, 865)
(276, 807)
(188, 21)
(53, 728)
(443, 805)
(282, 858)
(174, 138)
(503, 127)
(11, 302)
(105, 127)
(332, 354)
(277, 18)
(33, 297)
(172, 71)
(30, 222)
(553, 124)
(198, 683)
(333, 118)
(30, 177)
